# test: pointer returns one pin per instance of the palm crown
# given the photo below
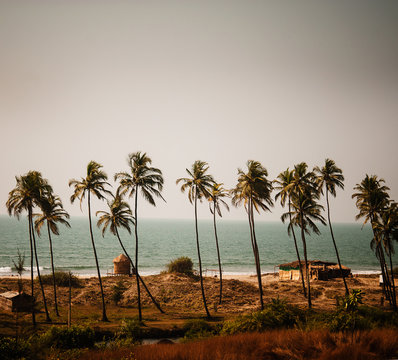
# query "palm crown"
(217, 193)
(283, 181)
(329, 175)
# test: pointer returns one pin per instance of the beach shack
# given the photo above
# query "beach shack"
(16, 302)
(121, 265)
(319, 270)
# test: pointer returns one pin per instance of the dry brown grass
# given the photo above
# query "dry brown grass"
(277, 345)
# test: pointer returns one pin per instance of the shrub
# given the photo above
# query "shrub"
(61, 279)
(276, 314)
(130, 328)
(68, 338)
(10, 349)
(198, 329)
(117, 292)
(182, 265)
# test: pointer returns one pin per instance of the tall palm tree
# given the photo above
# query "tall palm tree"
(29, 190)
(371, 198)
(217, 193)
(387, 228)
(284, 180)
(52, 213)
(120, 216)
(305, 210)
(330, 177)
(93, 184)
(199, 186)
(254, 191)
(149, 180)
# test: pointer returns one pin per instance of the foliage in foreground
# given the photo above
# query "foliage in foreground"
(182, 265)
(61, 279)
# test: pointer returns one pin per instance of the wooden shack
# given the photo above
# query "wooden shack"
(319, 270)
(14, 301)
(121, 265)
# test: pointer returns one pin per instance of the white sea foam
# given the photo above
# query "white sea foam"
(5, 269)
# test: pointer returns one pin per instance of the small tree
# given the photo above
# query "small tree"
(19, 266)
(117, 292)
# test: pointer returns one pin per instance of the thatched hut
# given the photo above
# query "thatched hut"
(16, 302)
(121, 265)
(320, 270)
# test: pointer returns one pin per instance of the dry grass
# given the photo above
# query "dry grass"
(282, 344)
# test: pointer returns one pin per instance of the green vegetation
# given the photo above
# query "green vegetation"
(61, 279)
(182, 265)
(68, 338)
(117, 292)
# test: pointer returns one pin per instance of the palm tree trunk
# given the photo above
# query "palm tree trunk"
(256, 253)
(297, 251)
(305, 259)
(104, 317)
(135, 270)
(380, 256)
(199, 258)
(136, 256)
(48, 319)
(334, 243)
(31, 264)
(218, 251)
(394, 298)
(52, 269)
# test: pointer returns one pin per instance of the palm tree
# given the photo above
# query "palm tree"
(29, 189)
(217, 193)
(387, 228)
(93, 184)
(120, 216)
(149, 181)
(199, 186)
(254, 191)
(371, 198)
(284, 180)
(331, 177)
(305, 210)
(52, 213)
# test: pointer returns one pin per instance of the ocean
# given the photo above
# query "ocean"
(161, 241)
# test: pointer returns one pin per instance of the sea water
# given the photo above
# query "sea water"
(161, 241)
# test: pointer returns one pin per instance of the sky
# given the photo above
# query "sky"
(222, 81)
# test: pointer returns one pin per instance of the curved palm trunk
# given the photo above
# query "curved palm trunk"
(31, 263)
(48, 319)
(218, 251)
(394, 297)
(306, 260)
(199, 258)
(334, 244)
(297, 252)
(104, 317)
(136, 257)
(256, 253)
(135, 270)
(52, 269)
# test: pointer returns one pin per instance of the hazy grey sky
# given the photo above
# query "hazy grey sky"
(221, 81)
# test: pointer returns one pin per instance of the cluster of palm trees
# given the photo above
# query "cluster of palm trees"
(299, 189)
(376, 207)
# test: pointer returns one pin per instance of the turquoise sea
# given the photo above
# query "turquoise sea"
(163, 240)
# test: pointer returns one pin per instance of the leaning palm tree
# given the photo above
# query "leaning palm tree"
(371, 198)
(305, 209)
(283, 181)
(93, 184)
(52, 213)
(217, 193)
(199, 186)
(331, 177)
(120, 216)
(149, 180)
(29, 189)
(254, 191)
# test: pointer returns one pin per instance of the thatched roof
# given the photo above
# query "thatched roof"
(121, 259)
(295, 265)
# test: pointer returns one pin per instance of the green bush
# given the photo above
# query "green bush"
(68, 338)
(61, 279)
(130, 328)
(277, 314)
(182, 265)
(117, 292)
(198, 329)
(10, 349)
